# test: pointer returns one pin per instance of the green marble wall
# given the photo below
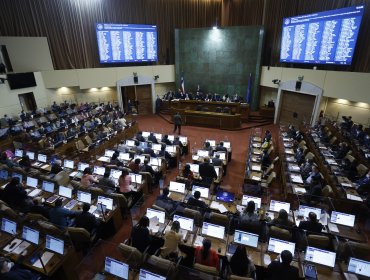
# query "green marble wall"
(220, 60)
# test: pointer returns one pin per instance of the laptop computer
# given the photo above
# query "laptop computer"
(42, 158)
(213, 230)
(124, 156)
(277, 246)
(275, 206)
(194, 167)
(177, 187)
(4, 174)
(108, 153)
(304, 211)
(130, 143)
(320, 256)
(84, 197)
(243, 238)
(69, 164)
(48, 186)
(20, 176)
(54, 244)
(108, 202)
(257, 200)
(204, 192)
(31, 155)
(342, 219)
(31, 235)
(99, 170)
(147, 275)
(116, 268)
(185, 223)
(225, 196)
(8, 226)
(203, 153)
(65, 192)
(31, 182)
(359, 267)
(18, 153)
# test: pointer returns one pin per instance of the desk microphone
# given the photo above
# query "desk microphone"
(102, 210)
(39, 256)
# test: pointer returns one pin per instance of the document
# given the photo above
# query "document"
(354, 197)
(333, 227)
(45, 259)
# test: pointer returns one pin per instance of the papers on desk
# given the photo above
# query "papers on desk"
(45, 259)
(266, 259)
(195, 157)
(3, 186)
(198, 241)
(294, 168)
(285, 139)
(288, 145)
(154, 224)
(354, 197)
(322, 147)
(21, 247)
(240, 208)
(299, 190)
(346, 185)
(256, 152)
(256, 167)
(218, 206)
(331, 161)
(333, 227)
(289, 151)
(46, 167)
(256, 178)
(296, 178)
(290, 159)
(104, 159)
(256, 145)
(12, 245)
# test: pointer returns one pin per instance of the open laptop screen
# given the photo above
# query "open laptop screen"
(82, 166)
(213, 230)
(84, 197)
(204, 192)
(256, 200)
(41, 158)
(225, 196)
(18, 153)
(147, 275)
(177, 187)
(99, 170)
(276, 206)
(69, 164)
(342, 219)
(246, 238)
(31, 182)
(108, 153)
(277, 246)
(31, 155)
(150, 213)
(48, 186)
(116, 268)
(185, 223)
(8, 226)
(65, 191)
(203, 153)
(320, 256)
(31, 235)
(136, 178)
(305, 210)
(194, 167)
(54, 244)
(359, 267)
(108, 202)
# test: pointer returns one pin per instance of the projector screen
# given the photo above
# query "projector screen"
(119, 43)
(321, 38)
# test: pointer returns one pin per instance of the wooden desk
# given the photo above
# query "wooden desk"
(211, 119)
(211, 105)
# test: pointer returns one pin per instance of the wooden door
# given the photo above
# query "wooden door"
(128, 93)
(296, 108)
(28, 102)
(144, 98)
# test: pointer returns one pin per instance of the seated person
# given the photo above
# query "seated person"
(205, 255)
(314, 189)
(148, 168)
(139, 137)
(25, 163)
(149, 151)
(194, 201)
(306, 168)
(282, 269)
(166, 202)
(56, 167)
(283, 219)
(152, 138)
(221, 148)
(177, 142)
(172, 239)
(249, 214)
(106, 183)
(39, 208)
(363, 184)
(299, 156)
(207, 147)
(240, 264)
(15, 195)
(86, 220)
(140, 235)
(134, 165)
(312, 225)
(4, 159)
(314, 173)
(207, 171)
(87, 179)
(61, 216)
(187, 173)
(165, 140)
(216, 161)
(11, 271)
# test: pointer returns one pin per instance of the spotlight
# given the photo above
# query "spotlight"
(156, 77)
(276, 81)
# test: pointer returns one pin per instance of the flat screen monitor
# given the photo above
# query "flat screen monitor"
(213, 230)
(142, 158)
(145, 134)
(321, 38)
(246, 238)
(136, 178)
(194, 167)
(114, 173)
(359, 267)
(48, 186)
(84, 197)
(31, 235)
(108, 202)
(320, 256)
(158, 136)
(227, 145)
(156, 147)
(177, 187)
(69, 164)
(276, 206)
(151, 213)
(20, 176)
(82, 166)
(171, 137)
(257, 200)
(342, 219)
(124, 156)
(155, 161)
(54, 244)
(18, 153)
(171, 149)
(116, 268)
(183, 139)
(65, 191)
(204, 192)
(119, 43)
(203, 153)
(147, 275)
(277, 246)
(130, 143)
(225, 196)
(8, 226)
(221, 154)
(143, 145)
(31, 155)
(31, 182)
(42, 158)
(108, 153)
(185, 223)
(99, 170)
(305, 210)
(4, 174)
(211, 142)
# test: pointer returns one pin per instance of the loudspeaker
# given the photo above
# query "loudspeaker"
(136, 79)
(298, 85)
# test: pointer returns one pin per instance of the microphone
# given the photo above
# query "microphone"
(102, 210)
(39, 256)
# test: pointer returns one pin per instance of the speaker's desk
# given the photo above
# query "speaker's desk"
(211, 119)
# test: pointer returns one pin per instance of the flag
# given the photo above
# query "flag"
(249, 89)
(182, 83)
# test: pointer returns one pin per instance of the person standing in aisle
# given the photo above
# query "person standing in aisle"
(177, 122)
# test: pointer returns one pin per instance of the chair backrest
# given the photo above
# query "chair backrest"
(206, 269)
(49, 228)
(33, 217)
(275, 160)
(269, 169)
(9, 212)
(78, 235)
(270, 150)
(361, 169)
(88, 140)
(332, 140)
(271, 177)
(310, 155)
(95, 191)
(280, 233)
(235, 277)
(121, 199)
(148, 181)
(62, 178)
(219, 219)
(327, 191)
(354, 249)
(302, 143)
(19, 170)
(132, 256)
(161, 266)
(194, 214)
(350, 158)
(80, 145)
(318, 241)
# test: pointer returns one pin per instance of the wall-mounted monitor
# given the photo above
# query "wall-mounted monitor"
(321, 38)
(119, 43)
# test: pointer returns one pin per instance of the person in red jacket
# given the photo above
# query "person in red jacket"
(206, 255)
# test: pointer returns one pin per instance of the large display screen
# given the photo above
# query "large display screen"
(126, 42)
(321, 38)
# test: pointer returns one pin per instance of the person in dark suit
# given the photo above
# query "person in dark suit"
(61, 216)
(140, 235)
(166, 202)
(265, 160)
(177, 121)
(149, 151)
(140, 137)
(216, 161)
(14, 195)
(152, 138)
(11, 271)
(148, 168)
(86, 220)
(177, 142)
(282, 270)
(56, 167)
(312, 224)
(221, 148)
(194, 201)
(165, 140)
(207, 171)
(39, 208)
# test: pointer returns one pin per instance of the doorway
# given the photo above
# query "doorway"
(28, 102)
(128, 93)
(141, 94)
(296, 108)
